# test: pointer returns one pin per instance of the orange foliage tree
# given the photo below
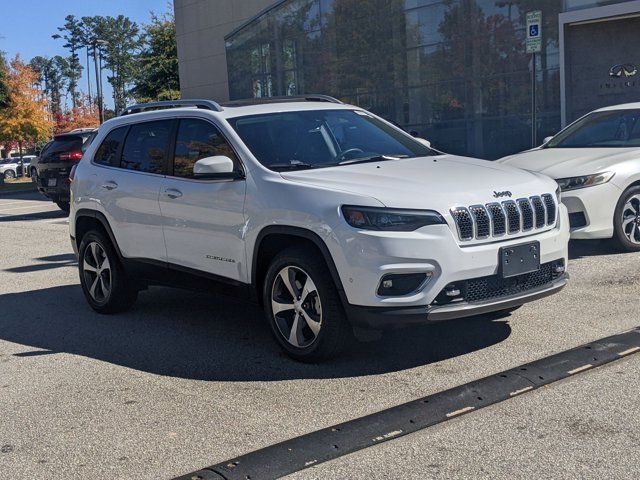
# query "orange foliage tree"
(84, 115)
(25, 117)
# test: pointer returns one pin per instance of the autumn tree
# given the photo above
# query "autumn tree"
(3, 81)
(25, 118)
(157, 64)
(84, 115)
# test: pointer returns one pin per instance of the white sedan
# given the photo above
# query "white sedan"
(596, 162)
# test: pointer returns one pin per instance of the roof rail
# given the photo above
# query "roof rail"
(145, 107)
(293, 98)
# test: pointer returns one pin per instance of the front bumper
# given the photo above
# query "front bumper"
(591, 210)
(385, 318)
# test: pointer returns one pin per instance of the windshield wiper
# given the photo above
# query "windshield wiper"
(284, 167)
(372, 158)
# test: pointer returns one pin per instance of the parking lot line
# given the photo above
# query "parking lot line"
(14, 209)
(330, 443)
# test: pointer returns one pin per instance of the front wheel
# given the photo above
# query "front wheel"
(105, 284)
(304, 308)
(626, 221)
(9, 174)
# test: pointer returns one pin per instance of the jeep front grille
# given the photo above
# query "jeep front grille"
(509, 217)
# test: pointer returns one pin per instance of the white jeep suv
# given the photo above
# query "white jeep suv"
(332, 218)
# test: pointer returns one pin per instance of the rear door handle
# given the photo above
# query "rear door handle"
(110, 185)
(173, 193)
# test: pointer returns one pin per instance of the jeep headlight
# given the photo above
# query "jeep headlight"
(574, 183)
(390, 219)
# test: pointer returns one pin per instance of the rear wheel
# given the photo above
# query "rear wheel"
(34, 175)
(105, 284)
(303, 307)
(9, 174)
(64, 206)
(626, 221)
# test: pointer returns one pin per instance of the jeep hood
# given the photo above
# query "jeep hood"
(570, 162)
(440, 182)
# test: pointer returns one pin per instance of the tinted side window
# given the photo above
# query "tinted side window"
(108, 149)
(145, 148)
(198, 139)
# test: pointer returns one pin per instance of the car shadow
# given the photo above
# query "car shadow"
(25, 217)
(50, 262)
(591, 248)
(203, 337)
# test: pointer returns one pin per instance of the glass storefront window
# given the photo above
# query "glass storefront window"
(453, 71)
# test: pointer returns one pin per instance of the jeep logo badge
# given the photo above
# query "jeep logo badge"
(506, 193)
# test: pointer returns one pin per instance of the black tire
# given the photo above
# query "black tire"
(335, 333)
(9, 174)
(620, 231)
(121, 294)
(64, 206)
(33, 173)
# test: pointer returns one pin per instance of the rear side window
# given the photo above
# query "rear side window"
(145, 148)
(198, 139)
(108, 150)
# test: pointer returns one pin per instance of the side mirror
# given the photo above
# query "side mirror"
(424, 141)
(213, 166)
(546, 139)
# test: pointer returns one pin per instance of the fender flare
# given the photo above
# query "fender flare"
(301, 233)
(85, 212)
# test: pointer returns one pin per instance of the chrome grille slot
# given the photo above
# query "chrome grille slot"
(498, 219)
(551, 207)
(527, 214)
(481, 220)
(509, 217)
(464, 222)
(539, 211)
(513, 216)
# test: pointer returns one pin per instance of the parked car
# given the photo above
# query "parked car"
(15, 167)
(332, 218)
(596, 162)
(55, 163)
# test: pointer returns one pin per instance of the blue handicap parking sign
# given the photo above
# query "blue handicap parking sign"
(534, 30)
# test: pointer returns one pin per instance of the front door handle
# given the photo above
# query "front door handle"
(173, 193)
(110, 185)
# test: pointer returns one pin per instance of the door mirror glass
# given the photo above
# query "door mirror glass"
(424, 141)
(213, 166)
(547, 139)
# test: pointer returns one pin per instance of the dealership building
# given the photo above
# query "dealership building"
(455, 71)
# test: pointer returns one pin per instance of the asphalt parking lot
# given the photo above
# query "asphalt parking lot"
(186, 380)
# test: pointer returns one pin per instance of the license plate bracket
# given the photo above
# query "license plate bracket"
(520, 259)
(52, 182)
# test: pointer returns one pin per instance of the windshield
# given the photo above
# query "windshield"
(323, 138)
(611, 129)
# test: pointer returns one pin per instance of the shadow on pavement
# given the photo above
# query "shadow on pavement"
(50, 262)
(203, 337)
(22, 217)
(591, 248)
(30, 194)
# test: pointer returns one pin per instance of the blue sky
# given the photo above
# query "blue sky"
(27, 25)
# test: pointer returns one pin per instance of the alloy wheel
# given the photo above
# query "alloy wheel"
(97, 272)
(9, 174)
(631, 219)
(296, 306)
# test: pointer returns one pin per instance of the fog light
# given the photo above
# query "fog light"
(399, 284)
(452, 292)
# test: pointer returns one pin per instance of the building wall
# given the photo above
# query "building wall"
(201, 26)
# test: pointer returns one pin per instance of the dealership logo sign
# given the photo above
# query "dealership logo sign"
(623, 69)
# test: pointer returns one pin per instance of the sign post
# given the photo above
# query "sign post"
(534, 45)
